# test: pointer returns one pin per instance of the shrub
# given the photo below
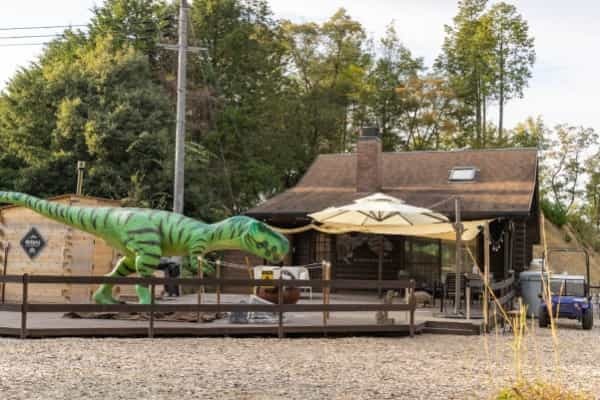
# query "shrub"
(554, 213)
(586, 232)
(539, 391)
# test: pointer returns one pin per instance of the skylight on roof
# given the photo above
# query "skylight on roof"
(462, 174)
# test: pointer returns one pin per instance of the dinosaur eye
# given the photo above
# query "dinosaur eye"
(259, 245)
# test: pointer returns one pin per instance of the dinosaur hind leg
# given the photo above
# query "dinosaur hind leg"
(124, 267)
(146, 247)
(145, 266)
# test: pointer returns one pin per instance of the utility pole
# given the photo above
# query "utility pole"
(181, 94)
(182, 48)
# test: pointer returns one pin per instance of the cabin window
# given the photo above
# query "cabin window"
(462, 174)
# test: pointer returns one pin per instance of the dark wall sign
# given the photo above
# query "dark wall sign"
(33, 243)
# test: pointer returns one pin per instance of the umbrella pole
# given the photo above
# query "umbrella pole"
(380, 266)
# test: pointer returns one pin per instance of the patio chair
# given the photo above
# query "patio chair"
(476, 284)
(450, 288)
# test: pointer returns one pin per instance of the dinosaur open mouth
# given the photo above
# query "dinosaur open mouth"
(276, 257)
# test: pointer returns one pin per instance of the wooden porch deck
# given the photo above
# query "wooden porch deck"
(427, 320)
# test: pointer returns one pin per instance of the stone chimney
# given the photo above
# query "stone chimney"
(368, 161)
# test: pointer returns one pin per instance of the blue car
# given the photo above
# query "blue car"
(570, 297)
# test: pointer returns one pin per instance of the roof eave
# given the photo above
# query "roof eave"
(464, 214)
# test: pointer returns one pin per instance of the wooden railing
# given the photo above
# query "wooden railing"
(504, 291)
(504, 294)
(280, 308)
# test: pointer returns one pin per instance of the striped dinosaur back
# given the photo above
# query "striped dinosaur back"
(78, 217)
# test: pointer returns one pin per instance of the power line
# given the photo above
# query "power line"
(166, 46)
(23, 44)
(31, 36)
(144, 36)
(15, 28)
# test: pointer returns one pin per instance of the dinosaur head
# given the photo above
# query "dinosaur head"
(264, 242)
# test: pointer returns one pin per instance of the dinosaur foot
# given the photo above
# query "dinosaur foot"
(102, 298)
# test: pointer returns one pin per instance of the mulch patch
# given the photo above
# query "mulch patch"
(173, 317)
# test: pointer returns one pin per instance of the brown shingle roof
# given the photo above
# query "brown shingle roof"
(505, 183)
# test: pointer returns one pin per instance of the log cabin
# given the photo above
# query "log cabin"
(500, 185)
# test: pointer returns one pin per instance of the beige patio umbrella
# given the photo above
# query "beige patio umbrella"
(377, 211)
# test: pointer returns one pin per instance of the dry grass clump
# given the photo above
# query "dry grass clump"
(539, 391)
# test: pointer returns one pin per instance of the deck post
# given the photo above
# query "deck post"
(325, 289)
(151, 322)
(458, 227)
(468, 300)
(6, 247)
(280, 303)
(323, 295)
(486, 273)
(201, 286)
(218, 275)
(407, 297)
(25, 289)
(380, 266)
(413, 304)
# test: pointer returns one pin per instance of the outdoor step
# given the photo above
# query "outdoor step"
(450, 331)
(452, 325)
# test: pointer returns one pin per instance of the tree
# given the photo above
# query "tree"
(329, 66)
(513, 55)
(565, 164)
(465, 60)
(394, 68)
(530, 133)
(592, 191)
(427, 113)
(487, 55)
(251, 145)
(101, 107)
(264, 99)
(141, 24)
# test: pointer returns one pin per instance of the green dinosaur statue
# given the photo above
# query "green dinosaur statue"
(143, 236)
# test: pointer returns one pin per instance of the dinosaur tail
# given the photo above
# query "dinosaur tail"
(65, 214)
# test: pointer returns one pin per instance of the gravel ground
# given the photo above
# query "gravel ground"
(426, 367)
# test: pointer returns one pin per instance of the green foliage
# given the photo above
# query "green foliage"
(512, 57)
(530, 133)
(564, 163)
(587, 232)
(264, 99)
(554, 213)
(487, 56)
(330, 65)
(539, 391)
(410, 106)
(141, 24)
(101, 107)
(249, 147)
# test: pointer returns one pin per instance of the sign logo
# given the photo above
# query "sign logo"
(33, 243)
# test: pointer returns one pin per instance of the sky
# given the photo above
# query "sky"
(565, 81)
